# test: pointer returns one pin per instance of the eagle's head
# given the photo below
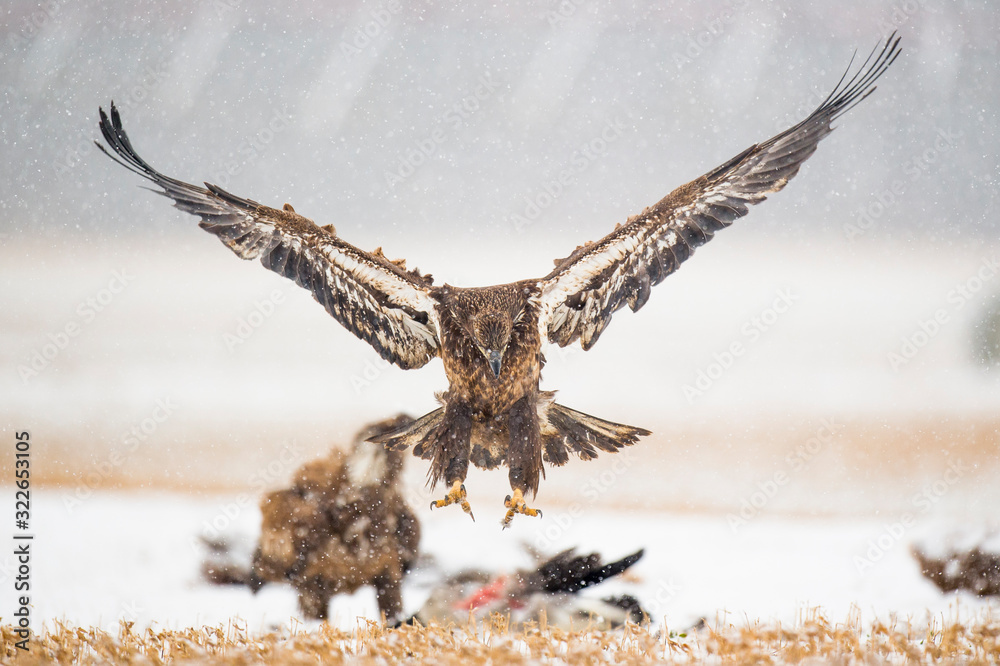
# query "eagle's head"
(491, 331)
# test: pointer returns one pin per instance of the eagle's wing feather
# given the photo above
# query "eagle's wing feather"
(377, 300)
(578, 298)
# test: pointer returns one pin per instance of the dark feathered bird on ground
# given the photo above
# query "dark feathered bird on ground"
(490, 339)
(973, 567)
(552, 589)
(343, 524)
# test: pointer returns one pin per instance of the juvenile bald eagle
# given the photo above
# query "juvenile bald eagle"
(343, 524)
(490, 338)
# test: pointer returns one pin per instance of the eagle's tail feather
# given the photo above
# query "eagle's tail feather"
(570, 430)
(564, 430)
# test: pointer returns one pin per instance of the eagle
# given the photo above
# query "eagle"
(971, 563)
(342, 524)
(490, 338)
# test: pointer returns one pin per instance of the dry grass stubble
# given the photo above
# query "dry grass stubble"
(813, 639)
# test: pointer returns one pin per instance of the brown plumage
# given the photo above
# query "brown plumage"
(490, 338)
(974, 568)
(343, 524)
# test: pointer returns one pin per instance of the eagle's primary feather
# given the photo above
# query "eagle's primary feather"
(376, 299)
(490, 338)
(589, 286)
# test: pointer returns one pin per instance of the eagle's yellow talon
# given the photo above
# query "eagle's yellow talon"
(516, 504)
(455, 496)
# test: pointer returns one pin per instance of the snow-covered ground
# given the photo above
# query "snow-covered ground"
(796, 477)
(137, 557)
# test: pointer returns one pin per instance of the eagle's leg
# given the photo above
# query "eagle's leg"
(456, 495)
(388, 594)
(451, 456)
(515, 504)
(314, 602)
(524, 457)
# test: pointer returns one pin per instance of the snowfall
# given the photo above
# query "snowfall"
(821, 379)
(745, 511)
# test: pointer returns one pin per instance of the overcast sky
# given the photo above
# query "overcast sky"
(393, 122)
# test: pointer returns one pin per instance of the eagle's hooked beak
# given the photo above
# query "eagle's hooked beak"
(494, 359)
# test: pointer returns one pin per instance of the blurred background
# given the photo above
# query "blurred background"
(835, 350)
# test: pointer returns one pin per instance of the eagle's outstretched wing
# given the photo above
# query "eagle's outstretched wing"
(379, 301)
(577, 299)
